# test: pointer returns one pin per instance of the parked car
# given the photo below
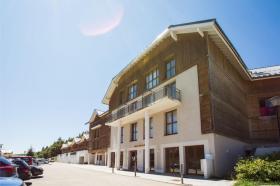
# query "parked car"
(35, 162)
(46, 161)
(23, 170)
(27, 159)
(6, 168)
(36, 171)
(10, 181)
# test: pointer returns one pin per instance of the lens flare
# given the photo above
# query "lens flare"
(96, 29)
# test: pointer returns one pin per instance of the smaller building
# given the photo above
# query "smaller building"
(99, 138)
(75, 151)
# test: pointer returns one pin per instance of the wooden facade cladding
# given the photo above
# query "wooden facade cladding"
(188, 50)
(228, 92)
(229, 100)
(101, 142)
(235, 109)
(83, 145)
(263, 127)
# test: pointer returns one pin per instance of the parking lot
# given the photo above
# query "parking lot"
(58, 174)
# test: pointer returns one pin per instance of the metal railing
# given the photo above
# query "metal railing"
(144, 101)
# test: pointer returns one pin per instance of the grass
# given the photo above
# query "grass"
(254, 183)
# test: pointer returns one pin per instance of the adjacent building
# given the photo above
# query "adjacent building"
(99, 140)
(75, 151)
(187, 102)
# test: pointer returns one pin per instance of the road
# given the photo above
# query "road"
(58, 174)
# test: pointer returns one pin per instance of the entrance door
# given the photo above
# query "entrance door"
(112, 159)
(81, 159)
(133, 160)
(193, 155)
(172, 160)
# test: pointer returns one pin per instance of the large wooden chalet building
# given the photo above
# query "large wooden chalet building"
(187, 101)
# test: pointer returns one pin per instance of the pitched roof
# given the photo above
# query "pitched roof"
(265, 71)
(215, 33)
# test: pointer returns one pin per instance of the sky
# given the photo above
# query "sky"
(57, 57)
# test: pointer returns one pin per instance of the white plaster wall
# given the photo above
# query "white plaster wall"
(227, 151)
(73, 158)
(189, 125)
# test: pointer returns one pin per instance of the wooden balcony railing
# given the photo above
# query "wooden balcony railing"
(264, 127)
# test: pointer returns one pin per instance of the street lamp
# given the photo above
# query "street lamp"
(135, 164)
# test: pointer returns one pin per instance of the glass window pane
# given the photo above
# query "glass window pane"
(169, 129)
(174, 116)
(174, 128)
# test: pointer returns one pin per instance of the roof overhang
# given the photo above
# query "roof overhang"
(96, 127)
(215, 33)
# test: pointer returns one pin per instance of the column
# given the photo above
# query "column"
(105, 163)
(147, 142)
(88, 158)
(181, 157)
(118, 153)
(95, 158)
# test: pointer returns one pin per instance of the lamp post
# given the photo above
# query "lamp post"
(135, 165)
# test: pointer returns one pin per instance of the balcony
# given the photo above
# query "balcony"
(155, 101)
(264, 128)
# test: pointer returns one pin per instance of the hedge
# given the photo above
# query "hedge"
(262, 168)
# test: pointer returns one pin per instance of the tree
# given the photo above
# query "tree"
(30, 152)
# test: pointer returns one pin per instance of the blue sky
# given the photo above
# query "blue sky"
(57, 57)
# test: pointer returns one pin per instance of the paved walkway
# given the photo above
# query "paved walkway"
(158, 178)
(59, 174)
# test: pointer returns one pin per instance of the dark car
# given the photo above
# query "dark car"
(27, 159)
(10, 181)
(23, 169)
(6, 168)
(36, 171)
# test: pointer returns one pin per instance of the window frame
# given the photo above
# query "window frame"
(122, 134)
(172, 123)
(133, 132)
(152, 79)
(132, 91)
(170, 69)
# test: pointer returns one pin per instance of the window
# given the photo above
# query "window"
(266, 109)
(170, 69)
(151, 128)
(121, 134)
(132, 92)
(152, 79)
(133, 132)
(171, 122)
(171, 90)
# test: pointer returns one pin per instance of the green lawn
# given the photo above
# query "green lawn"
(254, 183)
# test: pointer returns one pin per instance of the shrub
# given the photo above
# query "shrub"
(264, 168)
